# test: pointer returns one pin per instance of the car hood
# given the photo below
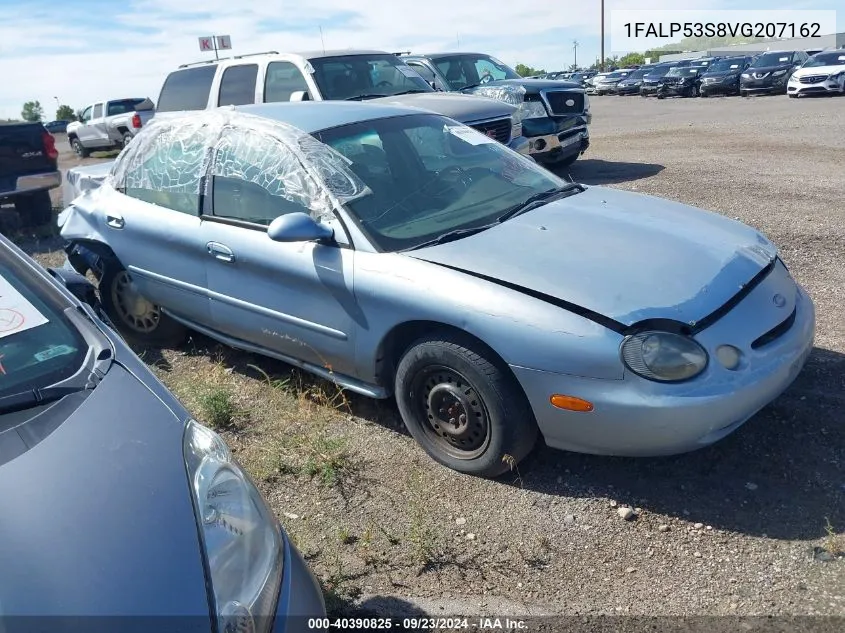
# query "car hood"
(718, 74)
(623, 255)
(98, 518)
(768, 69)
(461, 107)
(819, 70)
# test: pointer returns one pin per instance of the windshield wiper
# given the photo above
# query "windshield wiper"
(409, 92)
(35, 398)
(538, 199)
(365, 96)
(451, 236)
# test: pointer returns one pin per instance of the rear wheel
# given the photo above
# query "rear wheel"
(127, 138)
(462, 407)
(135, 316)
(34, 209)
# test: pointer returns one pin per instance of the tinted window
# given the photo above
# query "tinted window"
(187, 89)
(836, 58)
(428, 175)
(237, 86)
(461, 71)
(424, 71)
(123, 106)
(281, 81)
(353, 76)
(248, 178)
(86, 114)
(98, 111)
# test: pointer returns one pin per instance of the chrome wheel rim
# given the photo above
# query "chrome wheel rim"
(133, 308)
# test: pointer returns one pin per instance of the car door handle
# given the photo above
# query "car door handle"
(115, 221)
(220, 251)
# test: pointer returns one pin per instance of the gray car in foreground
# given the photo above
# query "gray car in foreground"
(398, 252)
(121, 513)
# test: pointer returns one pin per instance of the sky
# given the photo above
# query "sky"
(81, 51)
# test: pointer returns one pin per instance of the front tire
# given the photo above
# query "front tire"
(465, 409)
(137, 318)
(79, 149)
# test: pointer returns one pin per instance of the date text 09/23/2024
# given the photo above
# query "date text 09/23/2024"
(421, 624)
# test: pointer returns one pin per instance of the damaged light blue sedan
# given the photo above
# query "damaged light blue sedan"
(397, 252)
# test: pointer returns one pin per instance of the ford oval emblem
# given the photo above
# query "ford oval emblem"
(570, 102)
(779, 300)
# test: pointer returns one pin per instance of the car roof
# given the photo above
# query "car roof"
(432, 55)
(313, 116)
(340, 53)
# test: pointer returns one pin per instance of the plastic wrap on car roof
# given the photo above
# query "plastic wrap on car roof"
(172, 154)
(513, 95)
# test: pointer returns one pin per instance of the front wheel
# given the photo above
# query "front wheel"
(135, 316)
(79, 149)
(464, 409)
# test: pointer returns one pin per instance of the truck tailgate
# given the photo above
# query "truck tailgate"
(22, 152)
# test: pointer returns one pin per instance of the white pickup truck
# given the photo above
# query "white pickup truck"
(107, 125)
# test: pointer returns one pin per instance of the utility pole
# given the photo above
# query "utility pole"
(575, 52)
(601, 62)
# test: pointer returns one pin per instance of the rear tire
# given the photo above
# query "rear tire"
(465, 409)
(34, 209)
(127, 138)
(135, 317)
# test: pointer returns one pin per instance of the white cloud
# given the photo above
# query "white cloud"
(100, 60)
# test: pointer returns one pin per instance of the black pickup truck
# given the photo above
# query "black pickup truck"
(554, 114)
(28, 170)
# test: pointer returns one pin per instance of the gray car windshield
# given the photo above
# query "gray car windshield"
(826, 59)
(466, 70)
(726, 65)
(39, 346)
(348, 77)
(773, 59)
(430, 175)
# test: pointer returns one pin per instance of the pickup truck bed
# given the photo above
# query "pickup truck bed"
(28, 170)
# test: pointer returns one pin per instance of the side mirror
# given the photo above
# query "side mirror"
(299, 95)
(78, 285)
(298, 227)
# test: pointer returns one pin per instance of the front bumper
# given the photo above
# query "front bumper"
(675, 90)
(828, 86)
(718, 88)
(646, 90)
(763, 86)
(606, 90)
(635, 417)
(32, 183)
(521, 145)
(300, 597)
(555, 147)
(628, 89)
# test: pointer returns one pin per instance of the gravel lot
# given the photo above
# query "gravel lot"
(726, 530)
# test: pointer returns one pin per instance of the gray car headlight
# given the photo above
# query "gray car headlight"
(663, 356)
(532, 110)
(241, 539)
(746, 76)
(778, 73)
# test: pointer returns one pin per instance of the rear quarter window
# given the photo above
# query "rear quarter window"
(187, 89)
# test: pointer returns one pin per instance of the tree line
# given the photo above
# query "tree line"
(33, 112)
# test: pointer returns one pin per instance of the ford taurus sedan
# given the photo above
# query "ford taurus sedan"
(398, 252)
(117, 506)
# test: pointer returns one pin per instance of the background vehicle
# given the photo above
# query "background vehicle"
(608, 83)
(310, 248)
(555, 114)
(346, 75)
(157, 479)
(631, 84)
(681, 81)
(28, 170)
(591, 83)
(108, 124)
(56, 127)
(722, 77)
(770, 72)
(653, 78)
(823, 73)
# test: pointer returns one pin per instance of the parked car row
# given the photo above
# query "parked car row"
(774, 72)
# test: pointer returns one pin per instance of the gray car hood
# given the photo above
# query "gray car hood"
(98, 518)
(626, 256)
(461, 107)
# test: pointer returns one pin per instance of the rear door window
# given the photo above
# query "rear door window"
(237, 86)
(187, 89)
(282, 80)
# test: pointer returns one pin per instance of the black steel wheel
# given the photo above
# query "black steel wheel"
(463, 407)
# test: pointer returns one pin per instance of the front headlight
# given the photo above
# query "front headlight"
(240, 536)
(746, 76)
(779, 73)
(663, 356)
(532, 110)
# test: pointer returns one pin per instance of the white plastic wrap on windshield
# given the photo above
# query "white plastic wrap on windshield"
(513, 95)
(173, 154)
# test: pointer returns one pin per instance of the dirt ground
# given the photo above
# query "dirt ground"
(750, 526)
